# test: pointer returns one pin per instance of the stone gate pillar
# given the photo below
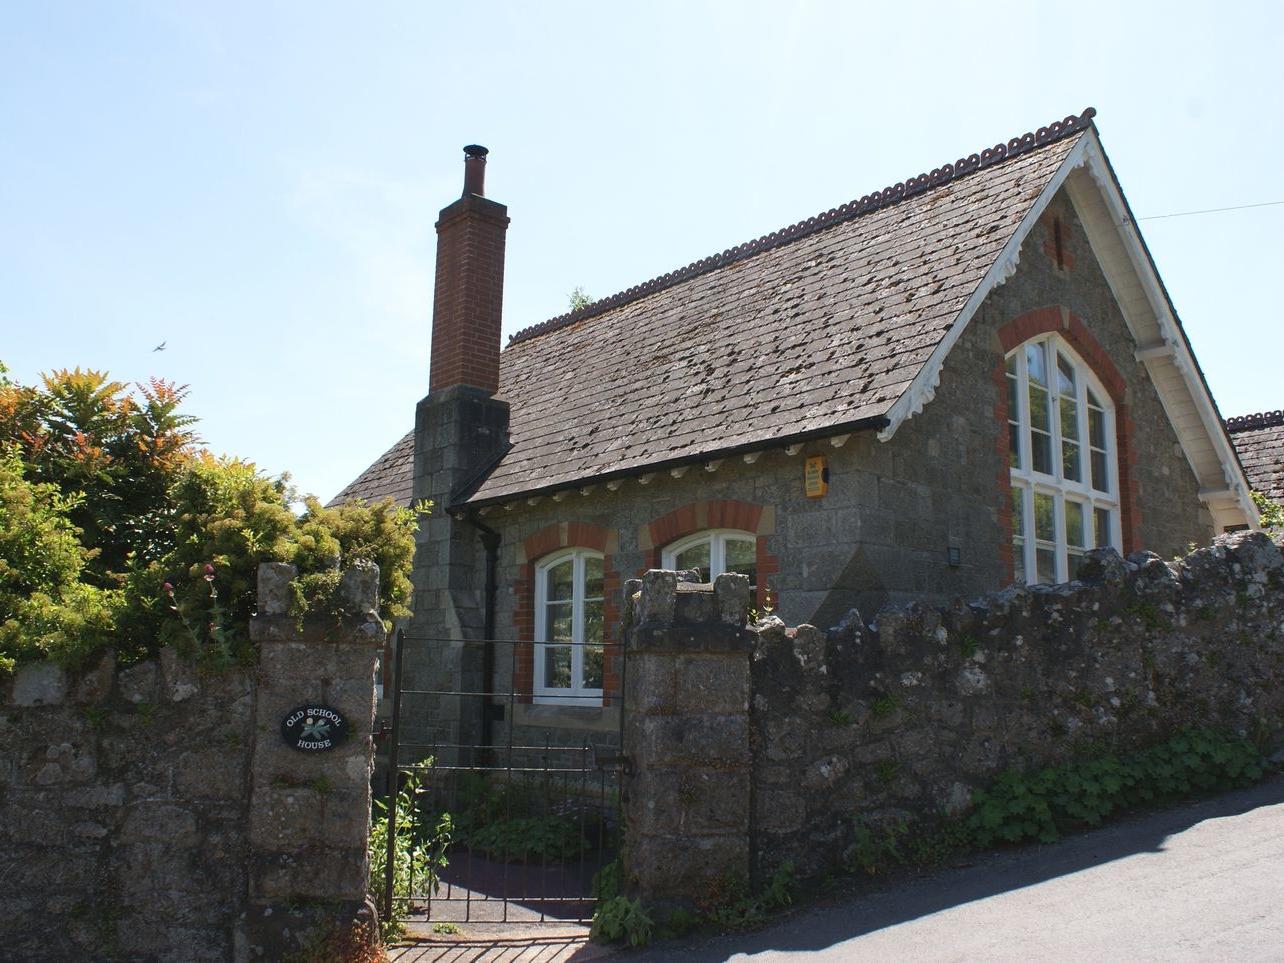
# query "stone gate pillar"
(310, 804)
(686, 794)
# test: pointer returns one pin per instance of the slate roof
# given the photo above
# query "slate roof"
(1259, 441)
(391, 476)
(815, 329)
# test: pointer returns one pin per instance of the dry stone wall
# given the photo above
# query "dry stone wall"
(902, 718)
(153, 812)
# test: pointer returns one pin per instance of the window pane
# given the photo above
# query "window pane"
(1018, 561)
(593, 667)
(1036, 364)
(1041, 452)
(1070, 466)
(1069, 419)
(593, 621)
(1039, 409)
(1044, 524)
(695, 557)
(557, 622)
(1045, 559)
(1014, 409)
(561, 580)
(1094, 400)
(592, 577)
(1096, 428)
(1101, 526)
(1011, 365)
(1100, 478)
(1074, 524)
(1018, 511)
(742, 558)
(557, 667)
(1076, 562)
(1014, 445)
(1065, 376)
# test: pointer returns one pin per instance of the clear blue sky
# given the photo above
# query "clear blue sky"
(256, 183)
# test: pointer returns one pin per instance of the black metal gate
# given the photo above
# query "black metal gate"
(496, 813)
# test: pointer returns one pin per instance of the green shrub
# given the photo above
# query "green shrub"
(608, 882)
(46, 611)
(114, 450)
(554, 839)
(1272, 513)
(1047, 802)
(622, 919)
(419, 853)
(732, 908)
(116, 528)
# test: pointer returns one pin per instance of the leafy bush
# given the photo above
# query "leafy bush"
(118, 528)
(46, 611)
(419, 853)
(552, 838)
(874, 850)
(1044, 803)
(622, 919)
(119, 452)
(1272, 513)
(608, 882)
(519, 820)
(732, 908)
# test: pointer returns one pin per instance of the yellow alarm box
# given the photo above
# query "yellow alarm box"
(816, 476)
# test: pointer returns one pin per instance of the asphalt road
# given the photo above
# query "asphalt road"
(1203, 882)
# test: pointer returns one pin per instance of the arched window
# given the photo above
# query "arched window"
(1065, 478)
(568, 628)
(714, 552)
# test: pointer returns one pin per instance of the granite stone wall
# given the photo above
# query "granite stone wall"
(900, 718)
(153, 811)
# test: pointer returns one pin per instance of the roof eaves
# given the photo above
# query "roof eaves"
(873, 423)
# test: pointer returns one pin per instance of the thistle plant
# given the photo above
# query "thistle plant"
(217, 642)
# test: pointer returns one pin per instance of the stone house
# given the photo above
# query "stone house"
(1259, 442)
(967, 379)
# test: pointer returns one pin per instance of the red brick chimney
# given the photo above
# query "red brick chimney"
(469, 293)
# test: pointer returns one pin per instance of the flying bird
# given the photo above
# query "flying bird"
(161, 346)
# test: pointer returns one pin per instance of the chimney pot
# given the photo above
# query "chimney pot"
(475, 170)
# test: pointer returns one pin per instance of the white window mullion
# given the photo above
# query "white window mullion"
(577, 627)
(1054, 398)
(1031, 538)
(1062, 536)
(1023, 408)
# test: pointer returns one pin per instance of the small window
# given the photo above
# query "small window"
(1062, 459)
(568, 629)
(715, 552)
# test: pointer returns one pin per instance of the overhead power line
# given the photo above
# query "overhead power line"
(1211, 210)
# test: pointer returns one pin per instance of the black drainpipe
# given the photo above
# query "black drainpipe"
(490, 541)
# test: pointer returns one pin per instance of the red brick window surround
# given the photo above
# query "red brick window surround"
(581, 541)
(716, 515)
(1084, 429)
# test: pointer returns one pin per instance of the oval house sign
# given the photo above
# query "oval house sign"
(314, 728)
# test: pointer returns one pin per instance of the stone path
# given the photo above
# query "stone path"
(542, 946)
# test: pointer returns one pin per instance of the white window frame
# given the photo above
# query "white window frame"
(717, 539)
(578, 694)
(1027, 481)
